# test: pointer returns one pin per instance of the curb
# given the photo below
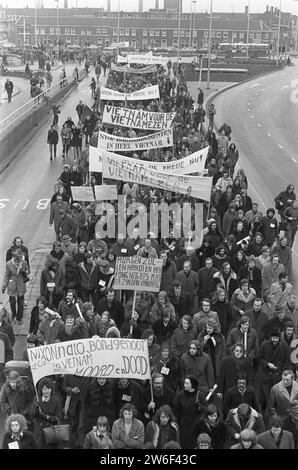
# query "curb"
(218, 92)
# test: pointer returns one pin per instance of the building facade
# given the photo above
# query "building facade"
(150, 29)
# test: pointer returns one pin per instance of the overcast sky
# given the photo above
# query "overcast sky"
(201, 5)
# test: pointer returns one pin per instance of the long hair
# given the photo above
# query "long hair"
(129, 407)
(166, 410)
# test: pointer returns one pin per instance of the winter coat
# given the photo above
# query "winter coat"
(218, 433)
(67, 226)
(236, 336)
(200, 366)
(76, 399)
(54, 213)
(88, 281)
(228, 219)
(240, 302)
(280, 401)
(7, 329)
(229, 370)
(8, 351)
(168, 275)
(278, 298)
(53, 137)
(257, 320)
(49, 331)
(270, 230)
(14, 278)
(180, 340)
(285, 256)
(187, 412)
(26, 440)
(92, 440)
(46, 277)
(270, 275)
(267, 441)
(115, 310)
(160, 435)
(158, 310)
(190, 284)
(233, 398)
(279, 356)
(217, 353)
(255, 274)
(230, 284)
(225, 315)
(163, 333)
(135, 438)
(206, 282)
(235, 425)
(18, 400)
(99, 401)
(71, 275)
(200, 319)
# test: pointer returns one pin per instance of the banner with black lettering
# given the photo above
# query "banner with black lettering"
(137, 273)
(137, 118)
(127, 69)
(128, 169)
(109, 358)
(114, 143)
(148, 93)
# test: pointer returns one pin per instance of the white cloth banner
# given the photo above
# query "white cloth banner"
(148, 93)
(153, 141)
(121, 168)
(128, 69)
(92, 357)
(137, 118)
(147, 59)
(95, 159)
(121, 59)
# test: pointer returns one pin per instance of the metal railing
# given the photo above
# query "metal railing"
(11, 121)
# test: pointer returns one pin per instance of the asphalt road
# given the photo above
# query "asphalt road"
(27, 185)
(263, 115)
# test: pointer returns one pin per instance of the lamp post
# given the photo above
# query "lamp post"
(179, 28)
(118, 28)
(248, 20)
(209, 45)
(35, 24)
(57, 23)
(193, 22)
(278, 35)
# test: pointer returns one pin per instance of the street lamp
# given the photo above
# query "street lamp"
(179, 28)
(57, 25)
(209, 45)
(278, 35)
(192, 23)
(35, 24)
(248, 19)
(118, 30)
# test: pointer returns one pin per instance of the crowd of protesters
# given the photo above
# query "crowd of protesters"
(221, 331)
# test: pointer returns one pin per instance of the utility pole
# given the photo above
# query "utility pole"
(278, 35)
(209, 45)
(248, 19)
(179, 29)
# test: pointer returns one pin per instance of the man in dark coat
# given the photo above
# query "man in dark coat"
(162, 395)
(9, 89)
(88, 278)
(52, 140)
(180, 299)
(273, 358)
(206, 280)
(113, 306)
(241, 393)
(128, 391)
(257, 317)
(67, 226)
(253, 274)
(17, 244)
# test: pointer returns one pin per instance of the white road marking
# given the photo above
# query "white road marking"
(259, 125)
(294, 159)
(280, 146)
(255, 84)
(269, 135)
(285, 86)
(248, 110)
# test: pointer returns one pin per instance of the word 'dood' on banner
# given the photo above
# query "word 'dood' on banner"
(137, 273)
(92, 357)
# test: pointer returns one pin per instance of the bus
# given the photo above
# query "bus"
(238, 49)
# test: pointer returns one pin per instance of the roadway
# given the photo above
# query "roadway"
(27, 185)
(263, 115)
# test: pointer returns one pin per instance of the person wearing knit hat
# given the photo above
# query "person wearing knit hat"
(203, 441)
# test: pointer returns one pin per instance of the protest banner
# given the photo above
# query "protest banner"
(121, 59)
(194, 163)
(105, 192)
(147, 59)
(82, 193)
(137, 118)
(153, 141)
(92, 357)
(137, 273)
(129, 169)
(148, 93)
(128, 69)
(95, 159)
